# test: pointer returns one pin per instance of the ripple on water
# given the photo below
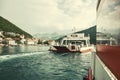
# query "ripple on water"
(44, 66)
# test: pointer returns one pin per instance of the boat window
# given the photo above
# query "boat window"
(77, 42)
(74, 35)
(64, 42)
(73, 42)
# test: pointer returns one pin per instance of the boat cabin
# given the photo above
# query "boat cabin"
(76, 39)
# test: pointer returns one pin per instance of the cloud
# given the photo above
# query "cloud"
(36, 16)
(74, 7)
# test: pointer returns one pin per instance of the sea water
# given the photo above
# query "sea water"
(37, 63)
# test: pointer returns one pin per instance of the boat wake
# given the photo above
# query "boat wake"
(6, 57)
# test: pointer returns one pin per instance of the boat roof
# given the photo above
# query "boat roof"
(110, 55)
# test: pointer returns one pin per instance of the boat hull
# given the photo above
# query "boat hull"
(105, 63)
(63, 49)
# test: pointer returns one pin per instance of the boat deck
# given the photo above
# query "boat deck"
(110, 55)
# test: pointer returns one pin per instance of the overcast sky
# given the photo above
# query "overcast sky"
(47, 16)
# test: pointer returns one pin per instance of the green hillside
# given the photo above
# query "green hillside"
(7, 26)
(90, 31)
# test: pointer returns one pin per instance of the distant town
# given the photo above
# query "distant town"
(12, 39)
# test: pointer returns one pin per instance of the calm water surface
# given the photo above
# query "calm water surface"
(37, 63)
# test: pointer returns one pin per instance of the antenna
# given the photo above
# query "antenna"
(74, 29)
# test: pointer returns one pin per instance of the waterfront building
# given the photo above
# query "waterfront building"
(30, 42)
(51, 42)
(1, 34)
(11, 42)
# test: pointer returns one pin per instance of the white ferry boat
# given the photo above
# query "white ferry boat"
(73, 43)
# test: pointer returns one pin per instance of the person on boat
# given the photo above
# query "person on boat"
(57, 44)
(78, 47)
(73, 46)
(82, 44)
(69, 45)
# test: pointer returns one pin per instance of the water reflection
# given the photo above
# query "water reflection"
(108, 18)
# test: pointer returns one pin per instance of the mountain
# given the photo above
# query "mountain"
(7, 26)
(90, 31)
(48, 36)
